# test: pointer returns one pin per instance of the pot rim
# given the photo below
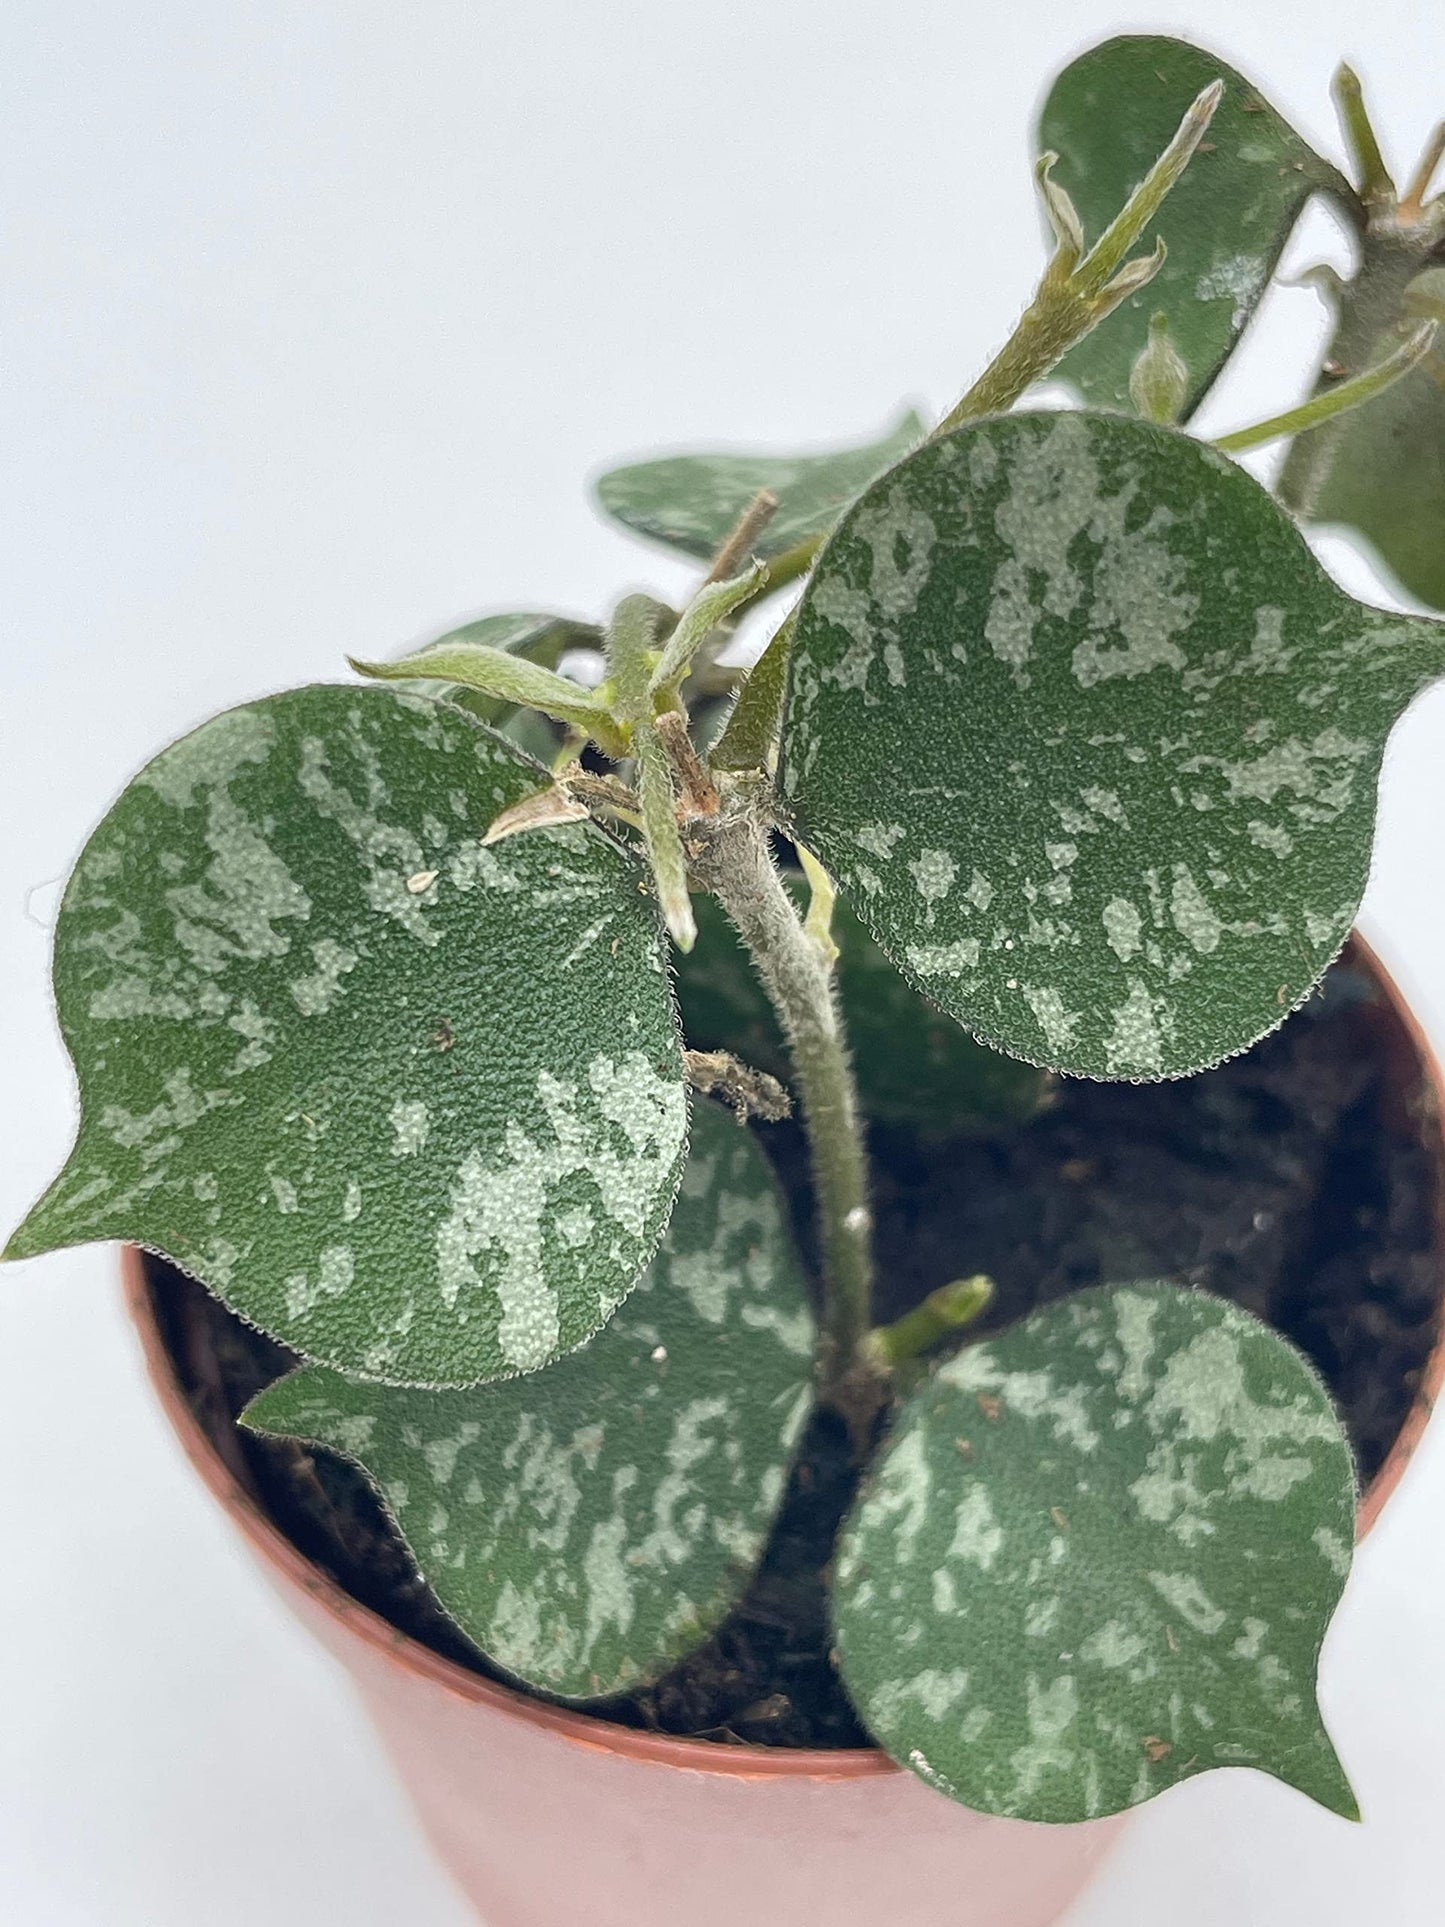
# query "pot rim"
(593, 1731)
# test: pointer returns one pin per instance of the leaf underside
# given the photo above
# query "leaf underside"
(1090, 740)
(694, 502)
(413, 1106)
(1098, 1556)
(1225, 223)
(589, 1525)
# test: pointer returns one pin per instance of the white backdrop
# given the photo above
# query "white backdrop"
(323, 311)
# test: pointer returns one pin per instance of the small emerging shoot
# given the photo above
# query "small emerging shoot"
(1372, 177)
(1159, 379)
(949, 1309)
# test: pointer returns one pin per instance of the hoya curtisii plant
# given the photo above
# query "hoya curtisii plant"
(1068, 738)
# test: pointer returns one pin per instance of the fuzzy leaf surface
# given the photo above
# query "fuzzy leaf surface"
(693, 502)
(1225, 223)
(589, 1525)
(1091, 741)
(1098, 1557)
(413, 1106)
(913, 1065)
(543, 639)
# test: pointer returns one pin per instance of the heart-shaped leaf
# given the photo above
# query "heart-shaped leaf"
(1091, 740)
(1225, 223)
(1381, 469)
(912, 1064)
(693, 502)
(589, 1525)
(1098, 1556)
(413, 1105)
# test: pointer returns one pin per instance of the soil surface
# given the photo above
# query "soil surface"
(1294, 1180)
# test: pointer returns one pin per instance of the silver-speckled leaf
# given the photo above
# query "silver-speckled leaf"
(1225, 222)
(412, 1105)
(1091, 741)
(693, 502)
(588, 1526)
(1098, 1556)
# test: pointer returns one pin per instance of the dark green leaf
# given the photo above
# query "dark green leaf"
(1098, 1557)
(1225, 223)
(412, 1105)
(912, 1064)
(693, 502)
(589, 1525)
(1091, 741)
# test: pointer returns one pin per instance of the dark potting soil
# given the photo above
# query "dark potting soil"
(1297, 1180)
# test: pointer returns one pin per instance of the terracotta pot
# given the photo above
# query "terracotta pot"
(553, 1818)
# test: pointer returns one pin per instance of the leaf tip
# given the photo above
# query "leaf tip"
(1312, 1767)
(28, 1239)
(15, 1248)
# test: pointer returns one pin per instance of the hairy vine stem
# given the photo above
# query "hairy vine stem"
(729, 854)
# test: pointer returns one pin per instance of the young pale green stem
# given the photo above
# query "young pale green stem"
(1336, 401)
(946, 1310)
(664, 840)
(510, 678)
(731, 858)
(630, 653)
(1076, 293)
(822, 895)
(785, 569)
(713, 603)
(1372, 177)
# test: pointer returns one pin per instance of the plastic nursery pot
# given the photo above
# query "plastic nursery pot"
(548, 1817)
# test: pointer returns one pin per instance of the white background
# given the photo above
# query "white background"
(323, 312)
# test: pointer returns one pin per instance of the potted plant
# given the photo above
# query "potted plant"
(618, 1335)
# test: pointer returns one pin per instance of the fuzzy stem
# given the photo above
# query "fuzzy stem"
(730, 856)
(1076, 293)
